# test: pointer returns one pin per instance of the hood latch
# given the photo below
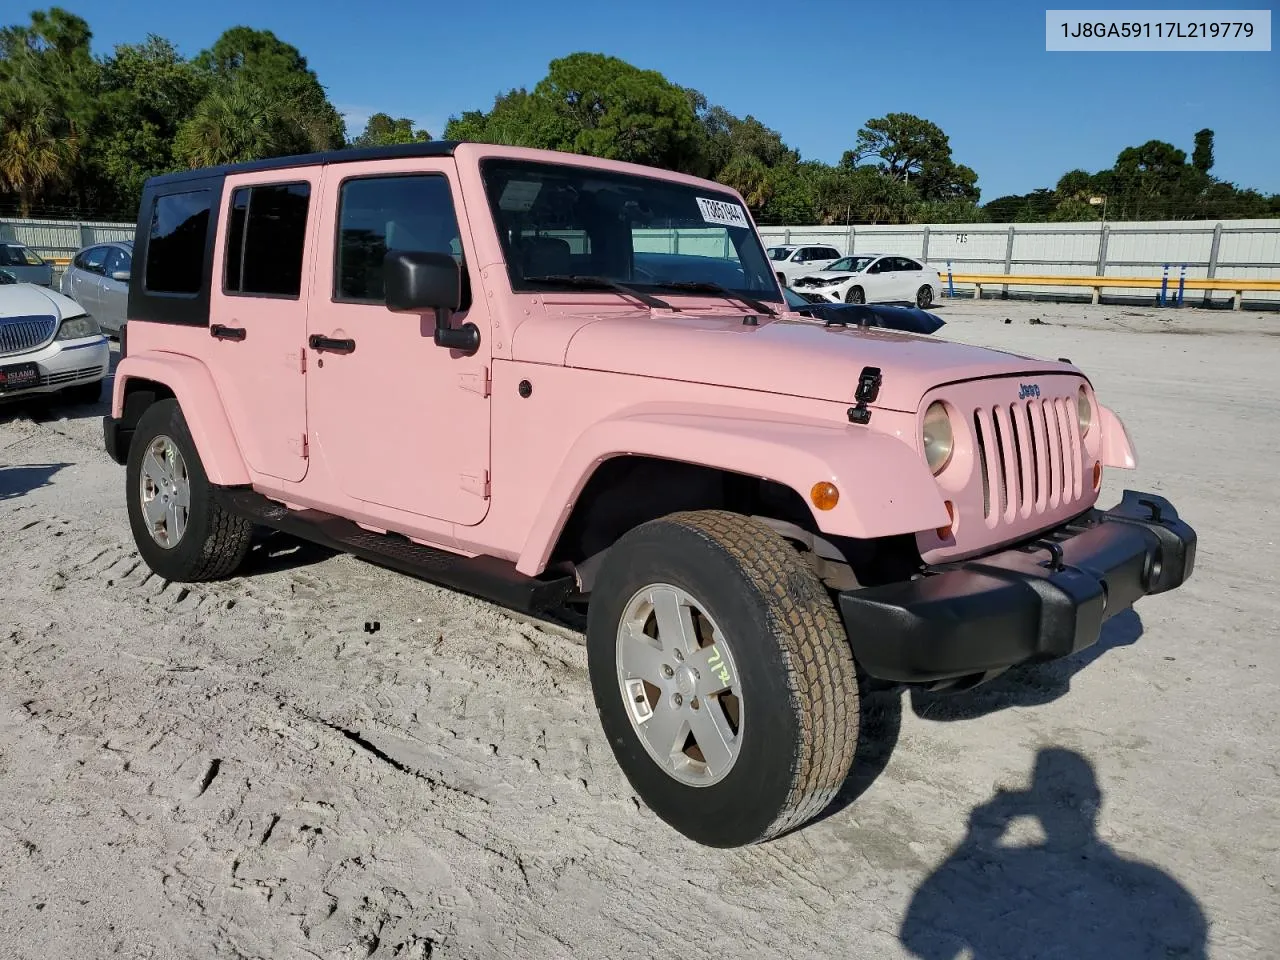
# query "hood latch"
(868, 389)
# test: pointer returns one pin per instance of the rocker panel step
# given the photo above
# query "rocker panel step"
(489, 578)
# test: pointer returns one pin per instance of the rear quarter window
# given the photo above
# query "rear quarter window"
(177, 240)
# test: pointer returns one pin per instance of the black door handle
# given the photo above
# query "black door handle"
(318, 342)
(227, 333)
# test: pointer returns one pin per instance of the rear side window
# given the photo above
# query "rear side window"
(266, 236)
(176, 242)
(377, 214)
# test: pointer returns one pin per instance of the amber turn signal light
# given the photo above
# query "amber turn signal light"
(824, 495)
(1097, 474)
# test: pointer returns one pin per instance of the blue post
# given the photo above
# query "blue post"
(951, 284)
(1164, 285)
(1182, 282)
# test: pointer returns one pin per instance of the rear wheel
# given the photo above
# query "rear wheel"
(855, 295)
(183, 534)
(722, 676)
(924, 297)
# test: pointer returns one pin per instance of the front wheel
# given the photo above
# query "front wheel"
(722, 676)
(855, 295)
(924, 297)
(182, 532)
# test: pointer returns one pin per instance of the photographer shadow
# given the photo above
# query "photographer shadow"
(1065, 893)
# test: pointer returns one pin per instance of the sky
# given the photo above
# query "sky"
(814, 70)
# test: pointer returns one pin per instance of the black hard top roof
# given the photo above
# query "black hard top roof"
(431, 148)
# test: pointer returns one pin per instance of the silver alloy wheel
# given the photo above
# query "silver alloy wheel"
(924, 297)
(681, 686)
(164, 489)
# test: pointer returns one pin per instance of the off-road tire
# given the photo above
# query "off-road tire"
(855, 295)
(215, 542)
(924, 297)
(800, 703)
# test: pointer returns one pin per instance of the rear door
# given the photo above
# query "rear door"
(258, 314)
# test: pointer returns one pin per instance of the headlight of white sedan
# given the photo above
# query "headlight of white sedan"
(77, 328)
(939, 440)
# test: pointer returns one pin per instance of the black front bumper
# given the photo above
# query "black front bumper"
(1040, 601)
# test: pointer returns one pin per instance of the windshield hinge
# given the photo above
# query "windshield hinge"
(476, 382)
(868, 389)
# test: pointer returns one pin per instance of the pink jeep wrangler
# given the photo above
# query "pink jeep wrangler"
(559, 382)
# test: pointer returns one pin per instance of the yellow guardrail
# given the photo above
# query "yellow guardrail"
(1236, 287)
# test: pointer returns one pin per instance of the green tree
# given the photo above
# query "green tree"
(236, 122)
(383, 130)
(37, 150)
(915, 150)
(1202, 156)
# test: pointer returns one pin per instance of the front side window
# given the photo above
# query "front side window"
(266, 237)
(779, 253)
(561, 224)
(377, 214)
(177, 241)
(116, 261)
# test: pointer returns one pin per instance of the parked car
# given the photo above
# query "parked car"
(447, 358)
(98, 279)
(874, 278)
(48, 344)
(793, 260)
(906, 319)
(25, 264)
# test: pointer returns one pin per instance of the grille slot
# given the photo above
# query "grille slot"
(1029, 458)
(22, 334)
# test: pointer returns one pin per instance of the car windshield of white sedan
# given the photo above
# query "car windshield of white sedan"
(578, 228)
(16, 255)
(849, 264)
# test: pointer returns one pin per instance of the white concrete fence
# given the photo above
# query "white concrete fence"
(1231, 249)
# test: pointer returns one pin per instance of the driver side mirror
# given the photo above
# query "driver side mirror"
(416, 281)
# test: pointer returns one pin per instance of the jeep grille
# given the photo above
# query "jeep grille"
(1029, 456)
(22, 334)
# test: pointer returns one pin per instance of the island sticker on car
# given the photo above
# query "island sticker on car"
(18, 375)
(723, 213)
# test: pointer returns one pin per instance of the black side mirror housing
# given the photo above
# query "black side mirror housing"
(416, 281)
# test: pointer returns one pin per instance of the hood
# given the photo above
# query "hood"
(29, 300)
(794, 357)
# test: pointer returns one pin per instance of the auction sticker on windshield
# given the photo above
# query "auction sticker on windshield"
(726, 214)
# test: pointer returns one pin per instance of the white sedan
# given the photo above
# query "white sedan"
(874, 278)
(48, 344)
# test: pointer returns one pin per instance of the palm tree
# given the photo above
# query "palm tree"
(235, 123)
(37, 149)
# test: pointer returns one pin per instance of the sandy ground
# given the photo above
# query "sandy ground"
(241, 771)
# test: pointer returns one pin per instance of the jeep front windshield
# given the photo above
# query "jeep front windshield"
(652, 235)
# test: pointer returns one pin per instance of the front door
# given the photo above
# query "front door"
(258, 315)
(113, 294)
(86, 279)
(397, 421)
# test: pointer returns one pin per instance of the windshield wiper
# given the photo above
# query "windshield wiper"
(599, 283)
(706, 286)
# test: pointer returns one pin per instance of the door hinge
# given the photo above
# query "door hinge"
(478, 485)
(477, 382)
(302, 360)
(300, 445)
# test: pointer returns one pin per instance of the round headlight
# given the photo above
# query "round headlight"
(939, 441)
(1084, 410)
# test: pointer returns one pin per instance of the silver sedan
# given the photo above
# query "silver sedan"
(98, 279)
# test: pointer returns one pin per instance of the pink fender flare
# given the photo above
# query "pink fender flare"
(197, 394)
(1117, 448)
(885, 488)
